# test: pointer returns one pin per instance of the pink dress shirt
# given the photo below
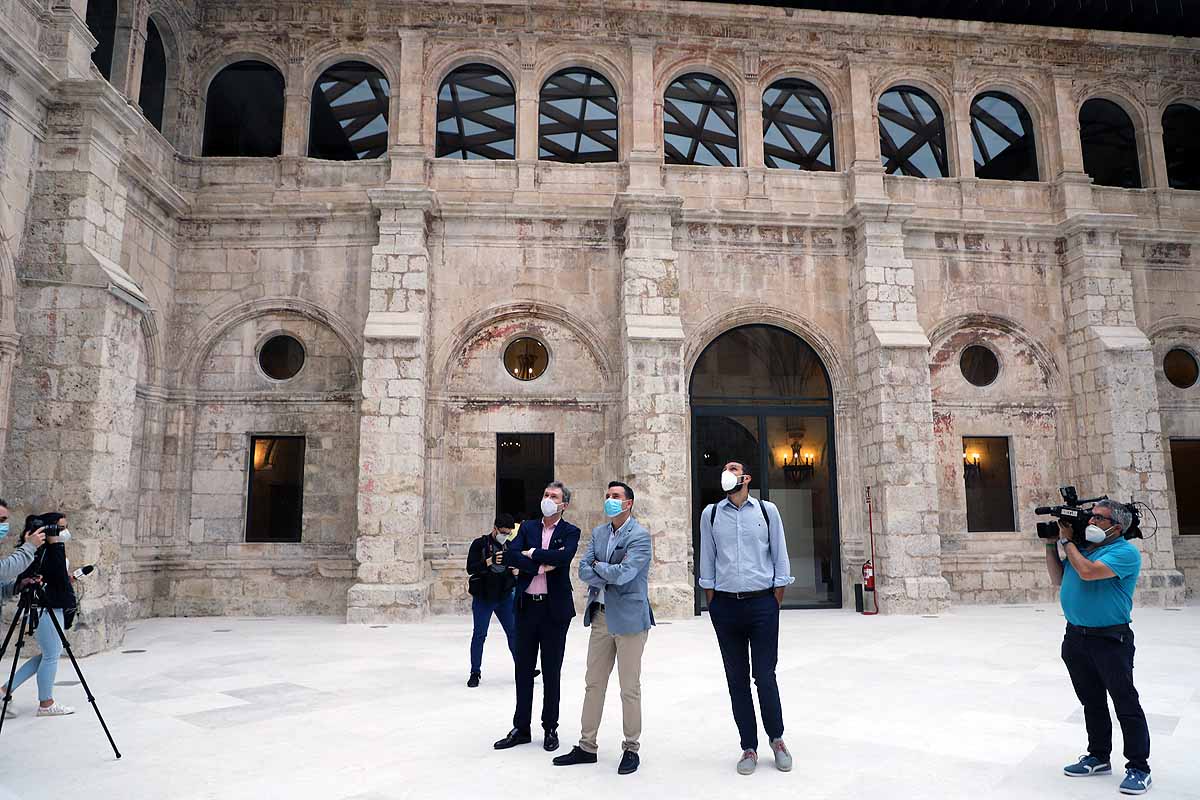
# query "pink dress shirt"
(538, 584)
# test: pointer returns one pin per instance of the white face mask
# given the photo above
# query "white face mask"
(64, 536)
(549, 507)
(729, 481)
(1095, 534)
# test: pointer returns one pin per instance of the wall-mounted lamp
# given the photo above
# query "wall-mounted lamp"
(801, 465)
(971, 464)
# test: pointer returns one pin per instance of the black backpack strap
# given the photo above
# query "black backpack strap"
(712, 515)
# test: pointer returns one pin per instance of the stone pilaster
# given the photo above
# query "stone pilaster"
(9, 345)
(896, 446)
(129, 49)
(393, 585)
(645, 159)
(67, 42)
(1118, 430)
(654, 421)
(80, 316)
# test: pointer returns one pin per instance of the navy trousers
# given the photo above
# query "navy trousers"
(538, 631)
(748, 635)
(482, 611)
(1101, 664)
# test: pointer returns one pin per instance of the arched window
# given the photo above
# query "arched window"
(476, 115)
(700, 122)
(1181, 140)
(1110, 153)
(577, 118)
(244, 112)
(797, 126)
(349, 116)
(912, 134)
(153, 93)
(1002, 139)
(102, 22)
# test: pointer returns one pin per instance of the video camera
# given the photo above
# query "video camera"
(1077, 513)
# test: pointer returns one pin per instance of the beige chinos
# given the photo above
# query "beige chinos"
(604, 649)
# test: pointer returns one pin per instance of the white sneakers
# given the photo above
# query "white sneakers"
(56, 710)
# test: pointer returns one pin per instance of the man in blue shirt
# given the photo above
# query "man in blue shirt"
(744, 569)
(1098, 577)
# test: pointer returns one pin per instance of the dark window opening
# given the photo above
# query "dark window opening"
(102, 22)
(524, 467)
(476, 115)
(759, 364)
(1185, 470)
(281, 357)
(912, 134)
(349, 117)
(988, 476)
(577, 118)
(1181, 368)
(1002, 139)
(797, 127)
(979, 365)
(244, 113)
(1110, 152)
(700, 122)
(1181, 140)
(153, 93)
(274, 511)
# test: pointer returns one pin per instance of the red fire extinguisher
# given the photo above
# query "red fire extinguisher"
(868, 570)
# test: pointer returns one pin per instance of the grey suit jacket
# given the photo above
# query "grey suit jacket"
(624, 578)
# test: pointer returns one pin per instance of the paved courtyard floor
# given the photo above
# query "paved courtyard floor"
(974, 703)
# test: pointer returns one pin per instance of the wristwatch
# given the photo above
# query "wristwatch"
(1064, 542)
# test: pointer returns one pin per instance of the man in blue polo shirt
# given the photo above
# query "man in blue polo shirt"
(1098, 577)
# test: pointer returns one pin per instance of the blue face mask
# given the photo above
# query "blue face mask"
(612, 507)
(3, 529)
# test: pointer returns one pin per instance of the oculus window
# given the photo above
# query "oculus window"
(1181, 140)
(988, 477)
(153, 93)
(349, 117)
(912, 134)
(700, 122)
(476, 115)
(979, 365)
(281, 357)
(1185, 469)
(1110, 154)
(797, 127)
(244, 112)
(1002, 139)
(577, 118)
(274, 507)
(526, 359)
(1181, 368)
(102, 23)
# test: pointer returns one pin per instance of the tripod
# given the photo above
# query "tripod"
(33, 599)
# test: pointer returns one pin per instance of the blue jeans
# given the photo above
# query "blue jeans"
(46, 664)
(482, 611)
(748, 630)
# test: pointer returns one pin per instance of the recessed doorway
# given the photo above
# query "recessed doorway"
(524, 466)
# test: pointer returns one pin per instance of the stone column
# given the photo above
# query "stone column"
(645, 154)
(896, 447)
(79, 314)
(408, 149)
(1118, 431)
(1074, 194)
(866, 170)
(654, 422)
(393, 585)
(9, 347)
(296, 100)
(129, 49)
(66, 41)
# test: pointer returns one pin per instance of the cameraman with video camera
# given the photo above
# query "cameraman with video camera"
(1097, 572)
(15, 564)
(491, 586)
(49, 572)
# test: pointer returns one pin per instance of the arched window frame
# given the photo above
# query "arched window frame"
(516, 128)
(215, 70)
(334, 62)
(894, 116)
(830, 133)
(1194, 105)
(734, 106)
(1136, 120)
(579, 125)
(1032, 117)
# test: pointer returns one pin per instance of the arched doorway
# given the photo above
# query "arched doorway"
(761, 395)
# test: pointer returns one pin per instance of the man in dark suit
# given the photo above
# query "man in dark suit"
(542, 551)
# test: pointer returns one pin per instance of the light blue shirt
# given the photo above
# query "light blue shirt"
(612, 545)
(738, 553)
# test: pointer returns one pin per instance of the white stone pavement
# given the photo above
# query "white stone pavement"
(974, 703)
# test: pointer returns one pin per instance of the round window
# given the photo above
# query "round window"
(1181, 368)
(281, 357)
(979, 365)
(526, 359)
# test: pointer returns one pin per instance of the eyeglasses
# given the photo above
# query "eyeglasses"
(1102, 516)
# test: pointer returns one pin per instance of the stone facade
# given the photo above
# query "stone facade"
(138, 279)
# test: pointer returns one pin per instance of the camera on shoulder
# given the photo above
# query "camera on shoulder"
(1077, 513)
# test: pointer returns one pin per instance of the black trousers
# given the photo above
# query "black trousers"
(1101, 666)
(537, 630)
(748, 635)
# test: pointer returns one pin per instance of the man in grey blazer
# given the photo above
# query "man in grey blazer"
(615, 568)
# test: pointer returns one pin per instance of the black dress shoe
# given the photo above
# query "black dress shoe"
(629, 763)
(473, 681)
(577, 756)
(550, 743)
(514, 738)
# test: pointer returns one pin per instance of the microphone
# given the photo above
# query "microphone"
(87, 570)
